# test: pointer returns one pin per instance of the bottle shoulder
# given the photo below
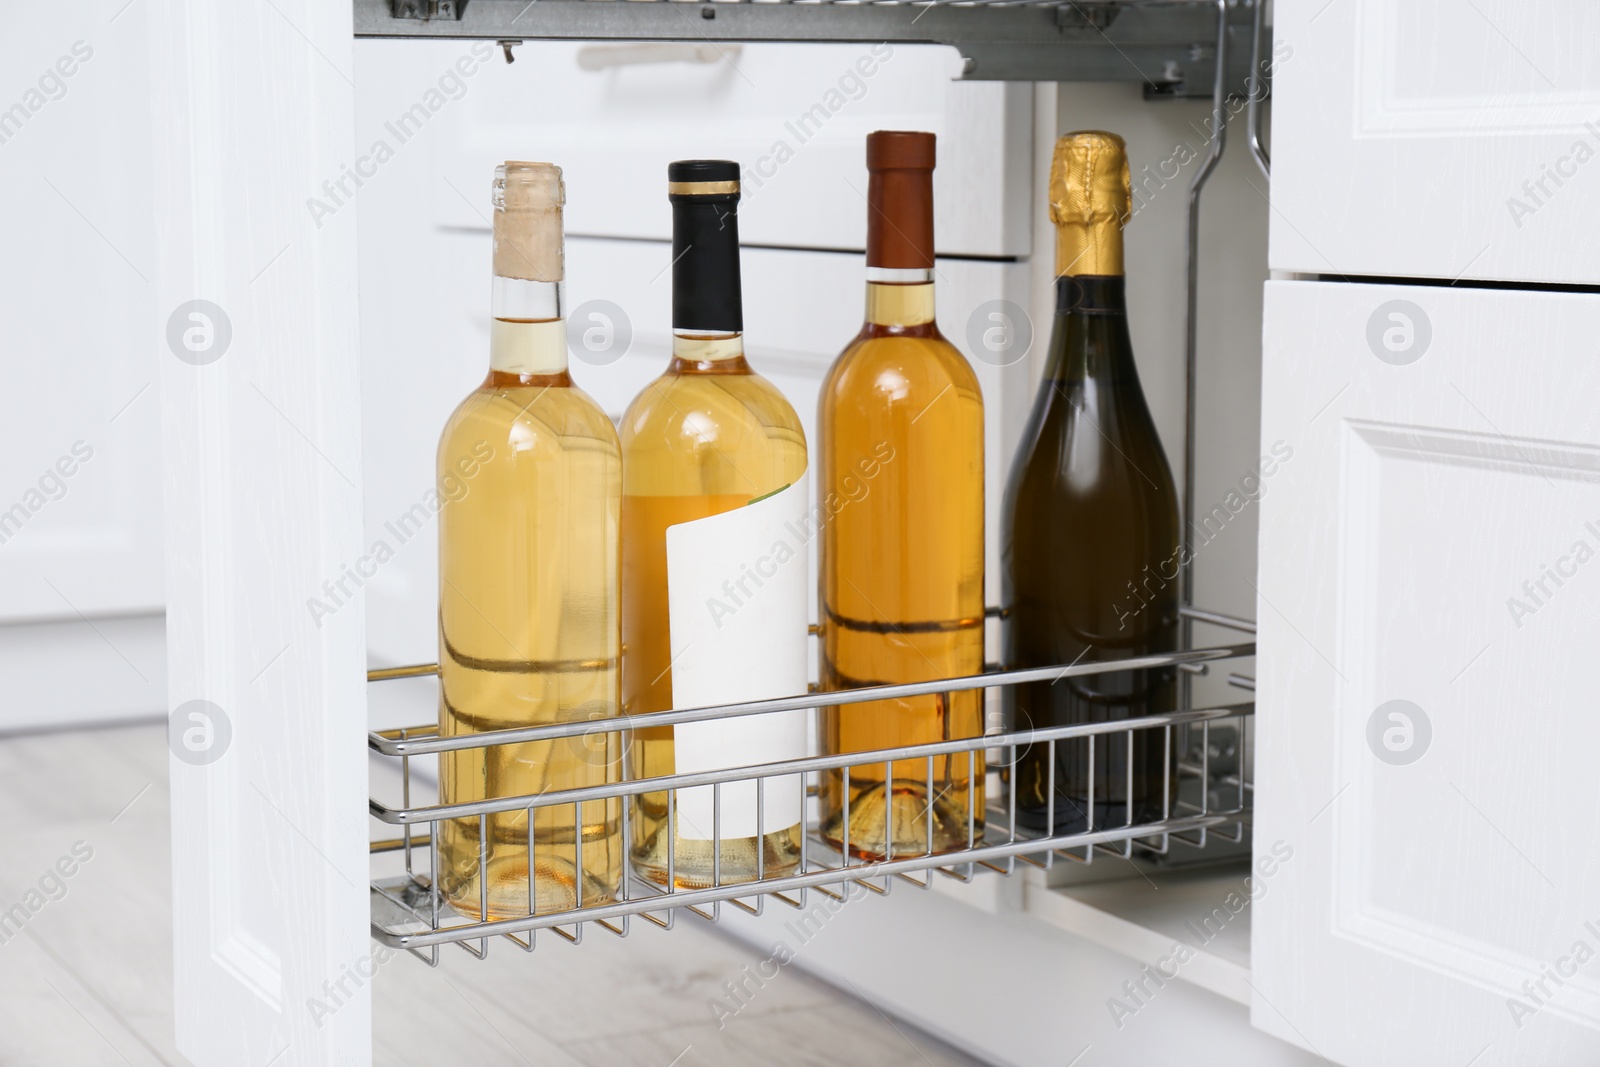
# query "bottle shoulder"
(709, 406)
(531, 417)
(895, 363)
(1073, 458)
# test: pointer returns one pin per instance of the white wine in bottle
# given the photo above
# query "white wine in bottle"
(901, 477)
(530, 471)
(707, 437)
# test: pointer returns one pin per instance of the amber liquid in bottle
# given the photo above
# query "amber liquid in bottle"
(530, 473)
(708, 436)
(900, 480)
(1090, 543)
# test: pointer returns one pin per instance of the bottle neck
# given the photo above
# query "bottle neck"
(528, 331)
(899, 298)
(699, 352)
(900, 219)
(1090, 340)
(527, 302)
(900, 250)
(1091, 295)
(1089, 246)
(706, 297)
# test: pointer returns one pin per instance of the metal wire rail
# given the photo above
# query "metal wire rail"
(1197, 800)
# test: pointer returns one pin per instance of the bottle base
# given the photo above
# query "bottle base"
(555, 888)
(903, 811)
(692, 864)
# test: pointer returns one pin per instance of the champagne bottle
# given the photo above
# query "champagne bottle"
(900, 489)
(708, 436)
(1090, 545)
(530, 480)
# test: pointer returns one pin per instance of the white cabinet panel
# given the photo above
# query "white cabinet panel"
(796, 116)
(1437, 139)
(262, 484)
(1045, 996)
(80, 489)
(75, 672)
(1429, 607)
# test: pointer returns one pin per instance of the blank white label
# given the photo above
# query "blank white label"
(736, 600)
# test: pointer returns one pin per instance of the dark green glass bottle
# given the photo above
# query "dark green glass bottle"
(1090, 532)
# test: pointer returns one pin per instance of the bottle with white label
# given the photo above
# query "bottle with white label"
(708, 437)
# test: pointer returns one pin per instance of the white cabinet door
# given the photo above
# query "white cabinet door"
(1429, 612)
(1437, 139)
(271, 957)
(80, 482)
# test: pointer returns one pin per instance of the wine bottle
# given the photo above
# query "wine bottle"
(900, 487)
(705, 438)
(1090, 544)
(530, 480)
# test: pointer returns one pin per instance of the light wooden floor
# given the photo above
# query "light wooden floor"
(89, 979)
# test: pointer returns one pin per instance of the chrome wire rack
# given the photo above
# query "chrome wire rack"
(1203, 797)
(1201, 48)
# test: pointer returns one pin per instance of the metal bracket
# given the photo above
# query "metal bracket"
(426, 10)
(1086, 16)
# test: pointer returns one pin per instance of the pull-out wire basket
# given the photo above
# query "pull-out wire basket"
(1201, 796)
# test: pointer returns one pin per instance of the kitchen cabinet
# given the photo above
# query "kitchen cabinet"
(1409, 491)
(1422, 609)
(1425, 611)
(1432, 139)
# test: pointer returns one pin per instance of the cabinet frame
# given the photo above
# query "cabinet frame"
(254, 107)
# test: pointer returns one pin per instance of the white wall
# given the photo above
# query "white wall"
(80, 492)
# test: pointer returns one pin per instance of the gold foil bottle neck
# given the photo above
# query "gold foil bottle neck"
(1091, 198)
(528, 198)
